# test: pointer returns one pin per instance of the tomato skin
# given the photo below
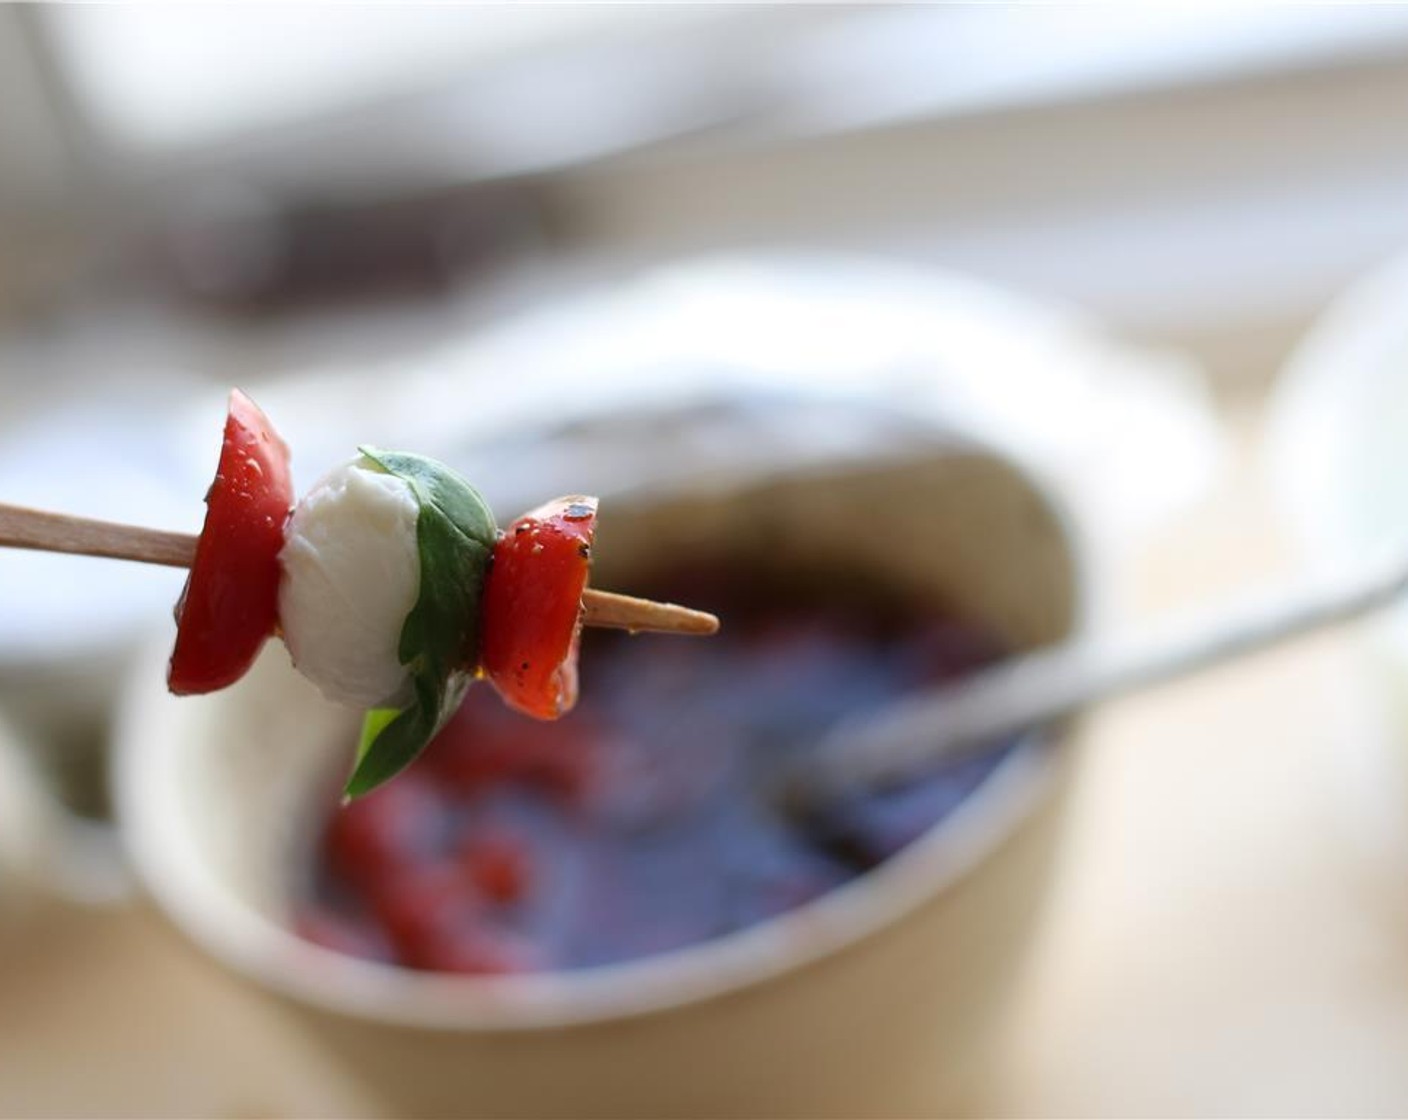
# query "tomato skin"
(499, 863)
(391, 829)
(231, 601)
(531, 610)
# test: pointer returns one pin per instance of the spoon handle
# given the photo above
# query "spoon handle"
(959, 719)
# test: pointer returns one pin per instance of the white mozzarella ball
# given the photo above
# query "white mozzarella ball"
(351, 574)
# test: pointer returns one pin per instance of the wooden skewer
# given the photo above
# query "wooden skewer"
(626, 612)
(61, 532)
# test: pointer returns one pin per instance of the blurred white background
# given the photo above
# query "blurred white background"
(1199, 172)
(198, 195)
(1207, 172)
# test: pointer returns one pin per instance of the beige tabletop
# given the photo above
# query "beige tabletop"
(1222, 941)
(1229, 936)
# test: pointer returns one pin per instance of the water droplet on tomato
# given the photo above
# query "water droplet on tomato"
(578, 511)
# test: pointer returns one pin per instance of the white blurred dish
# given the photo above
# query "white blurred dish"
(25, 822)
(1336, 455)
(48, 855)
(68, 623)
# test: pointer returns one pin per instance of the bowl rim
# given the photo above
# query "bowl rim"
(252, 944)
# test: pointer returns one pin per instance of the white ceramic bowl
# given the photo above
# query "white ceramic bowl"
(877, 999)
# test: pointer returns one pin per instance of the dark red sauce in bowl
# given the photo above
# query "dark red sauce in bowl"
(646, 820)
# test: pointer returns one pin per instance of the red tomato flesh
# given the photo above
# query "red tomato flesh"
(231, 601)
(531, 610)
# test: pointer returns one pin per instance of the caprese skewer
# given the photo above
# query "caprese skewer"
(389, 582)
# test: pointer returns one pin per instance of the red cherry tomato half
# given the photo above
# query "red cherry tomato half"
(531, 610)
(231, 601)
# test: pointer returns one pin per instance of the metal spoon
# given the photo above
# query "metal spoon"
(966, 717)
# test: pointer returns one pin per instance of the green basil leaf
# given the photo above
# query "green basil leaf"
(439, 643)
(391, 740)
(373, 724)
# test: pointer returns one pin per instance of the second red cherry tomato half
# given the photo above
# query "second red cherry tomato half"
(230, 604)
(531, 612)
